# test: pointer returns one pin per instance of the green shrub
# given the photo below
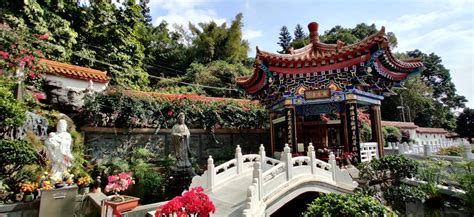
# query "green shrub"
(12, 112)
(388, 170)
(14, 154)
(143, 110)
(344, 205)
(451, 151)
(391, 134)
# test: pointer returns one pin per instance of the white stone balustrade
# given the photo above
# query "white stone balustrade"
(368, 151)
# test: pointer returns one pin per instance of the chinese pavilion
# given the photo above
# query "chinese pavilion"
(314, 93)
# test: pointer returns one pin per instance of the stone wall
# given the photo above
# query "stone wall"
(221, 145)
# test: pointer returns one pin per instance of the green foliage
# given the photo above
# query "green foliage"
(213, 42)
(391, 134)
(380, 174)
(344, 205)
(12, 112)
(218, 74)
(299, 32)
(451, 151)
(16, 158)
(84, 34)
(119, 110)
(365, 132)
(465, 124)
(397, 196)
(285, 40)
(417, 98)
(353, 35)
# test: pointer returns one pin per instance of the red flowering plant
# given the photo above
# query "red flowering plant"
(118, 183)
(19, 56)
(192, 203)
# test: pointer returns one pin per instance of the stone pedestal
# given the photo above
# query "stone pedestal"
(177, 181)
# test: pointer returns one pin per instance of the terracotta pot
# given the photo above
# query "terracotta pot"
(129, 204)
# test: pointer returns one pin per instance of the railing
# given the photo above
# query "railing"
(288, 170)
(427, 148)
(368, 151)
(215, 176)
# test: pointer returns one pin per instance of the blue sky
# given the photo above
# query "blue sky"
(443, 27)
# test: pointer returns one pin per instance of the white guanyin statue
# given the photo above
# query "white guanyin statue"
(58, 149)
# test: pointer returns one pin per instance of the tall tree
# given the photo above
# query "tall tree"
(236, 48)
(417, 100)
(217, 42)
(285, 39)
(465, 124)
(145, 10)
(299, 32)
(439, 78)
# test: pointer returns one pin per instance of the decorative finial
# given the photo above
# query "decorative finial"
(313, 32)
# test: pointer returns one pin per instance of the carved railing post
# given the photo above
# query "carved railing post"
(312, 158)
(411, 148)
(401, 148)
(427, 149)
(257, 174)
(288, 161)
(238, 157)
(405, 148)
(211, 174)
(467, 151)
(263, 156)
(332, 161)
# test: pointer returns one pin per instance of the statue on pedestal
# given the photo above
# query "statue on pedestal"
(180, 140)
(58, 149)
(181, 175)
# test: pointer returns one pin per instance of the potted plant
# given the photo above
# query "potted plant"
(83, 184)
(192, 203)
(116, 184)
(27, 189)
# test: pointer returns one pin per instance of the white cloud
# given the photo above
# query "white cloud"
(448, 34)
(251, 34)
(182, 12)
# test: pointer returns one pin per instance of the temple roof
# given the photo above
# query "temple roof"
(401, 125)
(318, 58)
(73, 71)
(431, 130)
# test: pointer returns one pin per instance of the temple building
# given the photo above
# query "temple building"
(316, 93)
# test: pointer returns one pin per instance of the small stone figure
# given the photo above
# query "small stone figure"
(180, 140)
(58, 150)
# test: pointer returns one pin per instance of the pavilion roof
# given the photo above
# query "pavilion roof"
(73, 71)
(318, 58)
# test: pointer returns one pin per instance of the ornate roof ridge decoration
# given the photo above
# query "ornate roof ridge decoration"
(73, 71)
(369, 62)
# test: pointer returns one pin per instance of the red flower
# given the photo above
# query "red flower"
(4, 55)
(191, 202)
(33, 76)
(41, 37)
(170, 113)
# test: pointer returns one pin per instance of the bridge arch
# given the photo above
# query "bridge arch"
(288, 193)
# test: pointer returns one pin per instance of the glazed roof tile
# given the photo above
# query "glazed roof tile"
(401, 125)
(73, 71)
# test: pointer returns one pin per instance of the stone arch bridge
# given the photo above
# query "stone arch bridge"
(255, 185)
